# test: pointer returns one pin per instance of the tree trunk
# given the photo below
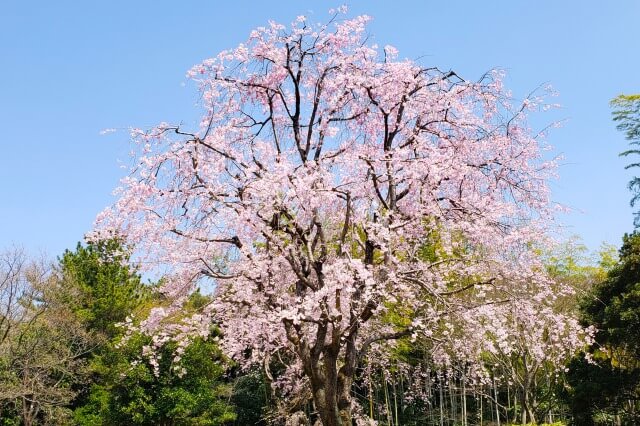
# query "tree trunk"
(497, 405)
(327, 408)
(528, 412)
(332, 394)
(27, 412)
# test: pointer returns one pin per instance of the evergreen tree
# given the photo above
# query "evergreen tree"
(609, 386)
(626, 112)
(127, 388)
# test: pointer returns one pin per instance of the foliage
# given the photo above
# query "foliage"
(107, 290)
(43, 344)
(615, 306)
(130, 392)
(63, 359)
(127, 389)
(60, 356)
(609, 384)
(626, 112)
(250, 399)
(592, 389)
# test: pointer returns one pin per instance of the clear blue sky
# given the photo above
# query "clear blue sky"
(69, 69)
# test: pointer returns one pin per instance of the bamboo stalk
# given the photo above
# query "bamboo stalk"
(495, 393)
(441, 403)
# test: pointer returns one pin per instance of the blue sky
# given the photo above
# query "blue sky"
(69, 69)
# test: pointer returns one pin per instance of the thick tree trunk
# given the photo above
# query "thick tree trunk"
(331, 375)
(333, 402)
(333, 410)
(332, 393)
(327, 408)
(344, 399)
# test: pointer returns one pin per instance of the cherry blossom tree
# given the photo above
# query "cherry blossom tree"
(328, 183)
(529, 346)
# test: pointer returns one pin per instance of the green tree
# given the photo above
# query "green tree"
(125, 387)
(626, 112)
(42, 344)
(107, 290)
(610, 384)
(615, 307)
(101, 291)
(250, 399)
(129, 392)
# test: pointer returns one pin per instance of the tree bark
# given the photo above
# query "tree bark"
(331, 391)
